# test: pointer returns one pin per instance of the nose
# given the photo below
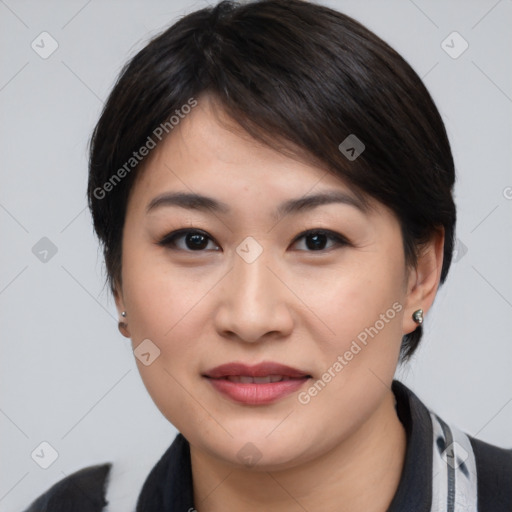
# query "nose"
(254, 303)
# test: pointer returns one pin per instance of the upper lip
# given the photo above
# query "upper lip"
(259, 370)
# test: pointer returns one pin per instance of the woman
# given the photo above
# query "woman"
(231, 146)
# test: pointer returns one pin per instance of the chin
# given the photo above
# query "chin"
(253, 449)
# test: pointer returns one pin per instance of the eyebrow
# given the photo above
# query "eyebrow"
(200, 202)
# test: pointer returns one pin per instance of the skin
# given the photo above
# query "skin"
(344, 450)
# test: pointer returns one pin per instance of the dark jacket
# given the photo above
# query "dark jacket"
(445, 470)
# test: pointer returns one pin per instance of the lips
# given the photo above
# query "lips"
(246, 379)
(260, 384)
(264, 369)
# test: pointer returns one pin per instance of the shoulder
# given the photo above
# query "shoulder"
(87, 490)
(494, 471)
(465, 472)
(473, 470)
(82, 491)
(476, 468)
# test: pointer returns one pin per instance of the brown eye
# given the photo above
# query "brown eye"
(316, 240)
(187, 240)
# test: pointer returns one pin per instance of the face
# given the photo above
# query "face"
(320, 288)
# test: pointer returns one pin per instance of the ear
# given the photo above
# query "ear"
(119, 299)
(423, 279)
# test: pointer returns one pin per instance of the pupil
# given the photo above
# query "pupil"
(196, 241)
(318, 241)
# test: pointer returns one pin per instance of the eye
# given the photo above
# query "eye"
(194, 240)
(197, 241)
(316, 239)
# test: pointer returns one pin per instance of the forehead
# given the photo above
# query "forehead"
(211, 152)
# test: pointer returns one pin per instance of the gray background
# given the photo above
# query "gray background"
(69, 378)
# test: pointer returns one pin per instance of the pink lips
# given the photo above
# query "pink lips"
(261, 384)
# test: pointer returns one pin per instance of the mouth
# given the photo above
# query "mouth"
(246, 379)
(260, 384)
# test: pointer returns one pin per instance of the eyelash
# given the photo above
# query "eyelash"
(169, 240)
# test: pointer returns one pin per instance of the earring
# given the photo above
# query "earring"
(417, 316)
(122, 326)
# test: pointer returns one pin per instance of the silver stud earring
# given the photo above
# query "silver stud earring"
(123, 314)
(417, 316)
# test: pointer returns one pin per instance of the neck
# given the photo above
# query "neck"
(361, 473)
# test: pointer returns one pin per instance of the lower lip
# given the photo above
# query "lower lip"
(257, 394)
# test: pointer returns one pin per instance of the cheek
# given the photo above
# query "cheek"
(158, 294)
(164, 310)
(162, 304)
(362, 310)
(349, 302)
